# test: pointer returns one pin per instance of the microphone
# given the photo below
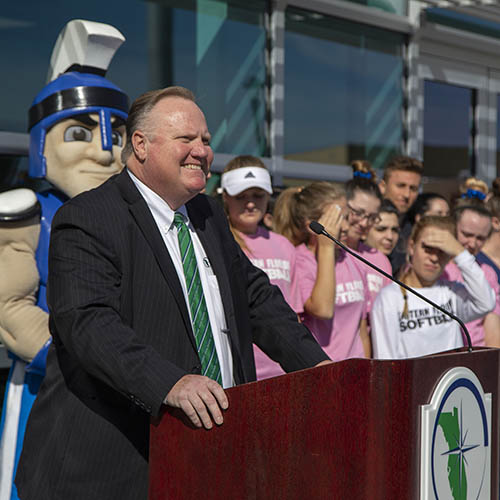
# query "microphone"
(317, 228)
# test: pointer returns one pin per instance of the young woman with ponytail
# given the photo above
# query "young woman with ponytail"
(333, 286)
(403, 326)
(363, 202)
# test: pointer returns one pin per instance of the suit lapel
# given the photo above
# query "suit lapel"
(147, 225)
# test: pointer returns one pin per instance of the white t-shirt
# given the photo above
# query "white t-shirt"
(426, 330)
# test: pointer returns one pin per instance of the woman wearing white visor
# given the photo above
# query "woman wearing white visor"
(246, 186)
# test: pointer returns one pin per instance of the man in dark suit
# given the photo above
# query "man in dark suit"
(124, 327)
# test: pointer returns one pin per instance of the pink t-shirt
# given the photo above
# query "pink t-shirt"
(476, 328)
(339, 337)
(276, 256)
(375, 280)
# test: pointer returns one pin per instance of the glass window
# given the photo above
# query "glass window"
(393, 6)
(218, 49)
(215, 48)
(14, 173)
(498, 136)
(448, 119)
(30, 28)
(462, 21)
(343, 90)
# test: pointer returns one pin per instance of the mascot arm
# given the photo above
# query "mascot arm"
(23, 325)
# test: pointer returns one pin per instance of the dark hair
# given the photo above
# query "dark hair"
(495, 187)
(422, 204)
(493, 203)
(405, 163)
(142, 106)
(364, 180)
(388, 207)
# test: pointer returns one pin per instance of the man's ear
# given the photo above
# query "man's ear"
(382, 186)
(139, 145)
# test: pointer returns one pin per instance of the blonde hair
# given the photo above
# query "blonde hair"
(241, 162)
(296, 205)
(475, 184)
(473, 192)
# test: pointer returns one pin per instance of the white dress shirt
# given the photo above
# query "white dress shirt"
(164, 218)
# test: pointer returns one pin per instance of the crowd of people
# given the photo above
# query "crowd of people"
(449, 250)
(160, 298)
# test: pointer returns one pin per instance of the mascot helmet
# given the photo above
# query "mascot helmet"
(80, 89)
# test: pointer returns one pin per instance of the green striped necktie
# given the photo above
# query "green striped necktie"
(199, 313)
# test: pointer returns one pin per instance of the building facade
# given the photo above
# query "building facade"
(307, 85)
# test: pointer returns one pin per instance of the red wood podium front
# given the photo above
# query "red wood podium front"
(350, 430)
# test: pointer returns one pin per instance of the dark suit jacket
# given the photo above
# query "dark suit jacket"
(122, 338)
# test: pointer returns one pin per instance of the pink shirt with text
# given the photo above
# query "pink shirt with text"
(476, 328)
(375, 280)
(276, 256)
(339, 337)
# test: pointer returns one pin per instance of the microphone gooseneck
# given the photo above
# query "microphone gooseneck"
(317, 228)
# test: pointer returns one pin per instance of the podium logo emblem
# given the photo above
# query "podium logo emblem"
(455, 460)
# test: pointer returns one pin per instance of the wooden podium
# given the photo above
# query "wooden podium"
(350, 430)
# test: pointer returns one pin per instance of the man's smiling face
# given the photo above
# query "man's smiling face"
(178, 152)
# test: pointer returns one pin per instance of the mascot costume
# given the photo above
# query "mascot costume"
(77, 131)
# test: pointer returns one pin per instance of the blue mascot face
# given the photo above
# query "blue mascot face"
(77, 131)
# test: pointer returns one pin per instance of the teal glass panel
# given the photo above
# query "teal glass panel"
(14, 173)
(343, 90)
(463, 22)
(218, 49)
(498, 135)
(448, 113)
(28, 31)
(215, 48)
(399, 7)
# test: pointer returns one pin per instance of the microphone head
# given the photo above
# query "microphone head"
(316, 227)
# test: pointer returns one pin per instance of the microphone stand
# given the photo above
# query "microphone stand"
(319, 229)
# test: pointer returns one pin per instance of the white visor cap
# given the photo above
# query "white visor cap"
(236, 181)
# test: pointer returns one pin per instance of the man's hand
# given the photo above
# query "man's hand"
(200, 398)
(443, 240)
